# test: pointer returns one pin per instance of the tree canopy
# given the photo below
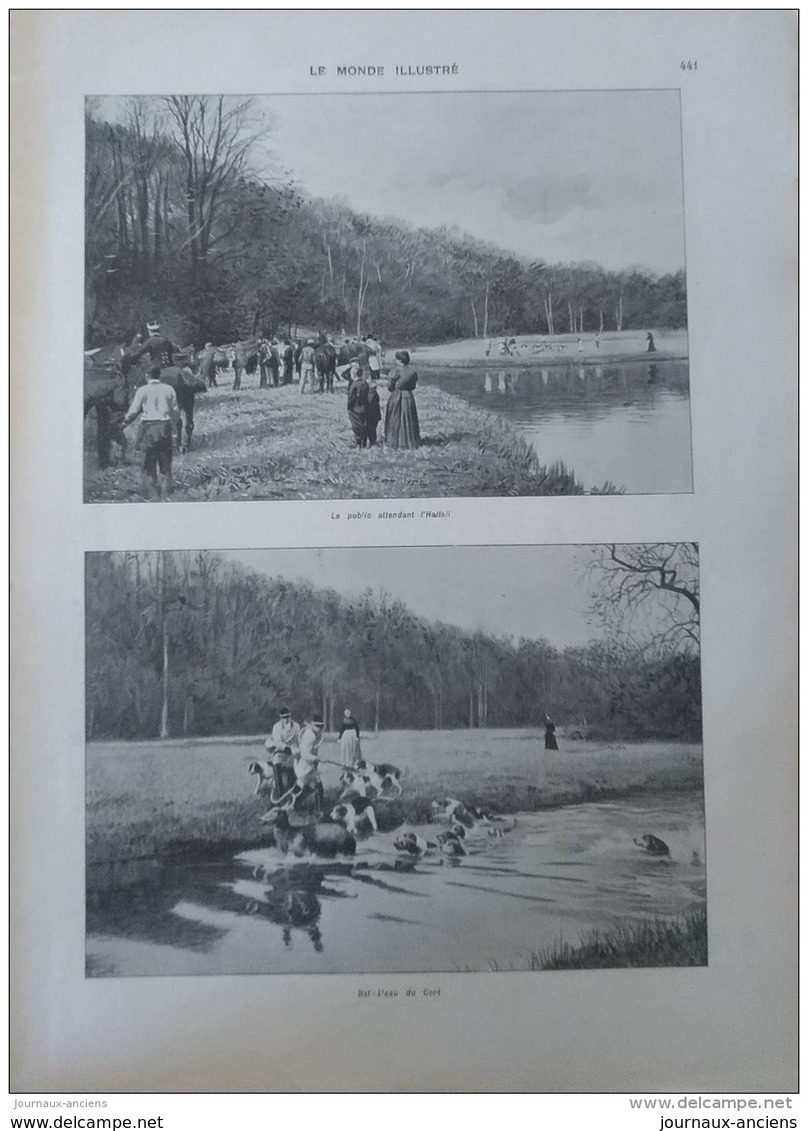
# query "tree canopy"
(178, 224)
(190, 644)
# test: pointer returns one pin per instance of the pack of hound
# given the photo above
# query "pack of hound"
(363, 787)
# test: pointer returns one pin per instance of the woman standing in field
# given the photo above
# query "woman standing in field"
(349, 739)
(401, 427)
(550, 742)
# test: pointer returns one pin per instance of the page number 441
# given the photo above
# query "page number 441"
(688, 65)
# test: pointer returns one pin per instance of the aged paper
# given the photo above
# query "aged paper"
(680, 127)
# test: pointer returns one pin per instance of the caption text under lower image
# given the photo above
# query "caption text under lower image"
(394, 760)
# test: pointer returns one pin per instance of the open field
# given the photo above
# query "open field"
(276, 444)
(556, 349)
(151, 798)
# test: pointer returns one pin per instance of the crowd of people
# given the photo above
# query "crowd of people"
(313, 364)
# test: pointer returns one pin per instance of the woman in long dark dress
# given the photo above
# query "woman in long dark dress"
(401, 428)
(550, 742)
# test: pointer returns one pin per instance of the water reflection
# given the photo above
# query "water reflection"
(567, 871)
(627, 423)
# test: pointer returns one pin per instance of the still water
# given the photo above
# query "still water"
(627, 423)
(556, 874)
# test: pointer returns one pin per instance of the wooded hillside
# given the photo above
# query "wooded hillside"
(190, 644)
(180, 226)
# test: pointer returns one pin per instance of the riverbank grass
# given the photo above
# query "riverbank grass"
(277, 444)
(153, 799)
(660, 942)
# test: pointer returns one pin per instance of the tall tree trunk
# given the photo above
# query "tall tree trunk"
(474, 316)
(164, 711)
(377, 707)
(361, 295)
(572, 318)
(164, 624)
(485, 309)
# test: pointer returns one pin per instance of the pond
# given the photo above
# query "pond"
(557, 874)
(627, 423)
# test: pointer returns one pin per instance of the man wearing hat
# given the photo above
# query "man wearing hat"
(159, 349)
(156, 404)
(307, 763)
(283, 746)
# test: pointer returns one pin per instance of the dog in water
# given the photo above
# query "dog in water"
(413, 845)
(652, 845)
(324, 838)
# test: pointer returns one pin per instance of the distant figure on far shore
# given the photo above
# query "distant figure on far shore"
(550, 742)
(649, 337)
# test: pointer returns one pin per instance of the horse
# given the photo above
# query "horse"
(247, 357)
(325, 361)
(211, 361)
(106, 390)
(185, 382)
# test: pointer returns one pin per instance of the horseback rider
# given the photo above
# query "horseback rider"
(159, 348)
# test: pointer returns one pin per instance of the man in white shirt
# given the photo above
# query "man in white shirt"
(283, 746)
(374, 355)
(156, 404)
(307, 763)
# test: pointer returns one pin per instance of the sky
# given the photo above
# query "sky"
(531, 591)
(564, 176)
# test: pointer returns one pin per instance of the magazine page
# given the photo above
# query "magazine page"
(404, 684)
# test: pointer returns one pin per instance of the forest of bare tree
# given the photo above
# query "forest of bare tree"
(179, 224)
(191, 644)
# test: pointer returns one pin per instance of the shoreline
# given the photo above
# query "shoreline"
(276, 444)
(222, 817)
(546, 350)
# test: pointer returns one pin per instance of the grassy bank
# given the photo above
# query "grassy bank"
(147, 799)
(558, 349)
(674, 942)
(277, 444)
